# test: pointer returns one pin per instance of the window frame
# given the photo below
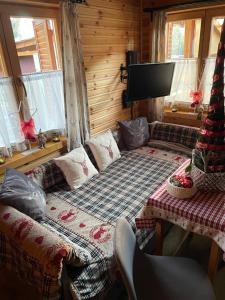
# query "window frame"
(206, 15)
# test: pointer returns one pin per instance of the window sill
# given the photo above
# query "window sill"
(182, 118)
(25, 162)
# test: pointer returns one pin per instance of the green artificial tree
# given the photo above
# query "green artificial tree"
(209, 153)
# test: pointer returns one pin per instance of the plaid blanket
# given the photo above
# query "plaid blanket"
(120, 191)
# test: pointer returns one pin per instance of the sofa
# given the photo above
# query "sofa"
(69, 255)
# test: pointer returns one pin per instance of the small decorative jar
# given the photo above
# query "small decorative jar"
(181, 186)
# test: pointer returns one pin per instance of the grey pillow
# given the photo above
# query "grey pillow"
(24, 194)
(135, 133)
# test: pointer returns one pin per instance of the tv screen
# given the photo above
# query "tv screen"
(149, 80)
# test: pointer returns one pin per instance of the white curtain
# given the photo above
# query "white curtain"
(156, 106)
(75, 87)
(10, 132)
(185, 80)
(207, 79)
(45, 99)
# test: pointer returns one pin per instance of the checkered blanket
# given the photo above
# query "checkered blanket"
(120, 191)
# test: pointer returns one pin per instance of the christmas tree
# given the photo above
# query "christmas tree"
(209, 153)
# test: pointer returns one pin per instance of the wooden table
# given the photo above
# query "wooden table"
(204, 214)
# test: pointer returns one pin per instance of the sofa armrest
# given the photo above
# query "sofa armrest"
(24, 233)
(34, 253)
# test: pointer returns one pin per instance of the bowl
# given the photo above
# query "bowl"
(180, 192)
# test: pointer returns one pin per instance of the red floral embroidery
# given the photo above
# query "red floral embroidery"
(82, 225)
(67, 216)
(21, 228)
(57, 252)
(6, 216)
(178, 158)
(151, 151)
(39, 240)
(100, 233)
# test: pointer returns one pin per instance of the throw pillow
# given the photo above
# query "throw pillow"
(104, 149)
(76, 167)
(135, 133)
(24, 194)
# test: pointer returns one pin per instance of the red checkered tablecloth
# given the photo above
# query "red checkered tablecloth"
(204, 213)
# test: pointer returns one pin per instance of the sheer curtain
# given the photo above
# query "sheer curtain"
(207, 79)
(10, 132)
(156, 106)
(185, 80)
(45, 99)
(75, 87)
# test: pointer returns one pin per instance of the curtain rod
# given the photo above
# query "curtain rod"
(153, 9)
(79, 1)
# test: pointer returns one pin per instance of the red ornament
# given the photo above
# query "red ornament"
(28, 129)
(196, 98)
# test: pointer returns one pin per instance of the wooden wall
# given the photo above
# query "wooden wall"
(108, 29)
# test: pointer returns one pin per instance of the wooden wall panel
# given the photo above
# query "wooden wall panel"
(108, 29)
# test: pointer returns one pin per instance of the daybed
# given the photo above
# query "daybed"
(73, 248)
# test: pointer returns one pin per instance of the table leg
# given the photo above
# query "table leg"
(159, 237)
(213, 260)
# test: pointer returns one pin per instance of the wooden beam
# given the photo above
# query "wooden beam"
(25, 43)
(26, 53)
(49, 3)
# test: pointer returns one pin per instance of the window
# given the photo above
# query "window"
(9, 119)
(183, 39)
(192, 40)
(31, 41)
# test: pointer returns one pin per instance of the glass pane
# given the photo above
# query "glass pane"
(3, 71)
(36, 44)
(182, 39)
(216, 26)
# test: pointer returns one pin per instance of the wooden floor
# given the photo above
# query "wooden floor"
(13, 289)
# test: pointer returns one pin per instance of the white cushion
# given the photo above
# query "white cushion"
(104, 149)
(76, 167)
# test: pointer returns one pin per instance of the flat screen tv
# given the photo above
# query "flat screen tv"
(149, 81)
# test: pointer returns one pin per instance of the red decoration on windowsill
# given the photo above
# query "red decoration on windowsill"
(196, 98)
(28, 129)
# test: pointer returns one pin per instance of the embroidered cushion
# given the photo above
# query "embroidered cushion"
(135, 133)
(76, 167)
(24, 194)
(104, 149)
